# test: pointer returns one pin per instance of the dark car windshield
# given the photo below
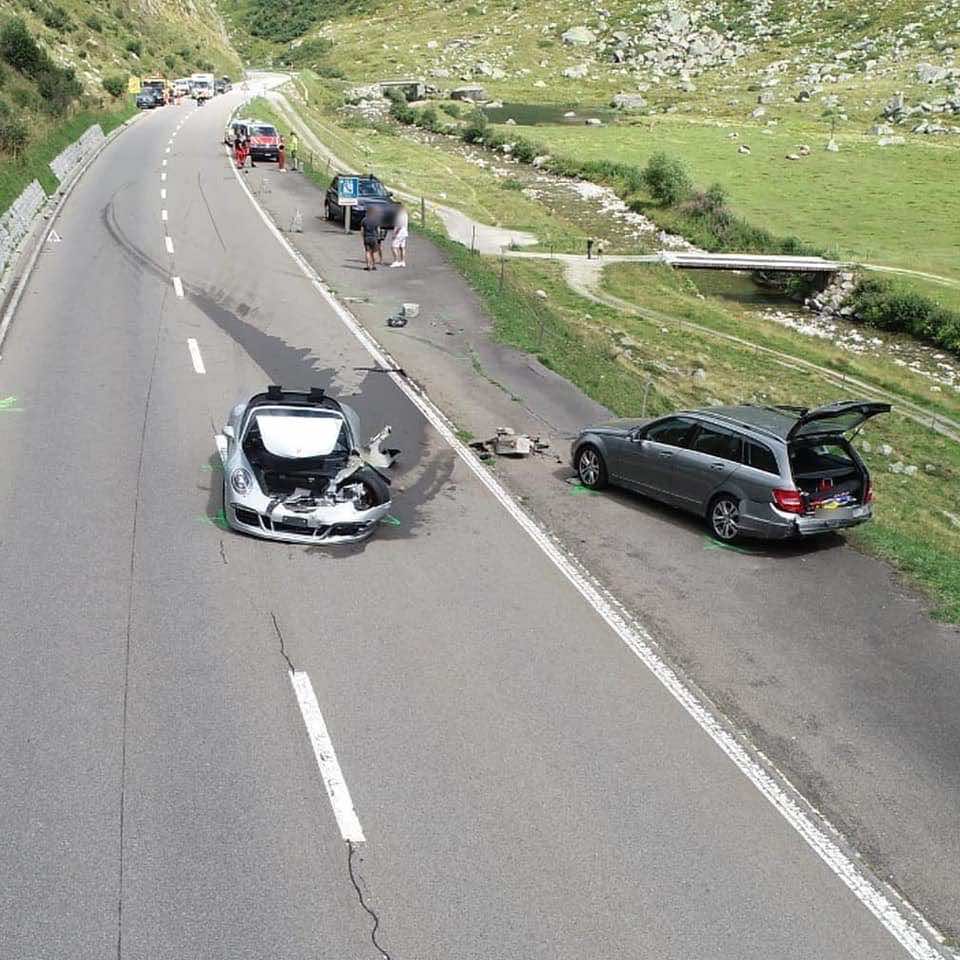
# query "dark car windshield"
(262, 130)
(372, 188)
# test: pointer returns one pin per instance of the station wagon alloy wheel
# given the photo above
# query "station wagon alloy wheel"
(591, 468)
(725, 518)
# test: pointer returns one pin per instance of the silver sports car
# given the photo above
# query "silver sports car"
(294, 470)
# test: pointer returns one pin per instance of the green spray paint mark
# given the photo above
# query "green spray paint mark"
(208, 468)
(390, 520)
(710, 544)
(9, 405)
(578, 490)
(217, 520)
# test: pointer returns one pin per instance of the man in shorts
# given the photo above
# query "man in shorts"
(370, 231)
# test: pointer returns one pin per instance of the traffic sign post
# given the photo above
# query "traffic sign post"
(348, 191)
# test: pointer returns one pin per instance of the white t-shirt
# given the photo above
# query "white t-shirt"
(400, 226)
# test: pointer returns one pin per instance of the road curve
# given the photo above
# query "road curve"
(526, 788)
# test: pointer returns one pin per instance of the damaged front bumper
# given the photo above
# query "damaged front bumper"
(336, 523)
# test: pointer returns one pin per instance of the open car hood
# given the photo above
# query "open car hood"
(298, 438)
(834, 418)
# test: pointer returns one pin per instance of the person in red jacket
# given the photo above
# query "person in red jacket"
(281, 154)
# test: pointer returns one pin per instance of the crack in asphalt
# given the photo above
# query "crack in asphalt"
(223, 554)
(355, 879)
(283, 649)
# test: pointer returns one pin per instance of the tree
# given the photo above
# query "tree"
(667, 179)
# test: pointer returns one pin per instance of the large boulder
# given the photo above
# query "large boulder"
(629, 101)
(931, 73)
(474, 94)
(578, 37)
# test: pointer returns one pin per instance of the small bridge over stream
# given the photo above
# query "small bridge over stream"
(750, 262)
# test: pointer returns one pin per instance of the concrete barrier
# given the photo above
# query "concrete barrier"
(67, 160)
(16, 222)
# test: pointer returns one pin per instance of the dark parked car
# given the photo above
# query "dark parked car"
(148, 99)
(370, 193)
(770, 472)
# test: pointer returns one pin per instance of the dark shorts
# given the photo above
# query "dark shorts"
(371, 244)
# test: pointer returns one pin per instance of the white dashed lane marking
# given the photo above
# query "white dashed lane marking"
(178, 287)
(169, 242)
(194, 349)
(337, 791)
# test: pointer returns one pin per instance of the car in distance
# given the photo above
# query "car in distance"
(264, 140)
(770, 472)
(294, 469)
(147, 100)
(371, 193)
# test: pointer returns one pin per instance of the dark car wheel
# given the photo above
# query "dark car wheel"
(327, 212)
(724, 518)
(591, 469)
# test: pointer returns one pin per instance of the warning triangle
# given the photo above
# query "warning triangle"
(54, 237)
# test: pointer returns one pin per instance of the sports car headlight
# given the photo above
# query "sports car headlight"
(241, 481)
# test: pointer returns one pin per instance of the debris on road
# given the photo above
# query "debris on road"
(406, 312)
(507, 443)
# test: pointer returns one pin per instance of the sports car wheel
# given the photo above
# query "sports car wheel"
(368, 488)
(591, 469)
(327, 212)
(724, 518)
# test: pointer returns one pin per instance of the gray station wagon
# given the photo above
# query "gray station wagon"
(769, 472)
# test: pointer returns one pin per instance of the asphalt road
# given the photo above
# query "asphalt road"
(527, 789)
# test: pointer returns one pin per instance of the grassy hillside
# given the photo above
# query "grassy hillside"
(65, 64)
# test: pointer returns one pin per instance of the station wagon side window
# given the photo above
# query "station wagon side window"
(674, 432)
(715, 442)
(760, 458)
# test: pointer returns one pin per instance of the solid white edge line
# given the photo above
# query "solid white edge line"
(168, 240)
(337, 790)
(178, 287)
(195, 356)
(637, 638)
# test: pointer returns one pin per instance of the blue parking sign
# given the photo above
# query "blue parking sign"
(348, 189)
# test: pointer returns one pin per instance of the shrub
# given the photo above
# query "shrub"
(56, 18)
(135, 46)
(170, 61)
(330, 72)
(477, 127)
(94, 23)
(401, 111)
(429, 120)
(115, 84)
(19, 49)
(58, 88)
(511, 184)
(13, 135)
(451, 109)
(667, 179)
(890, 306)
(525, 150)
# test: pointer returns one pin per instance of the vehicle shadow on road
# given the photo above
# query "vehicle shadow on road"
(696, 527)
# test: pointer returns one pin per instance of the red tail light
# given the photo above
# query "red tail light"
(789, 501)
(869, 495)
